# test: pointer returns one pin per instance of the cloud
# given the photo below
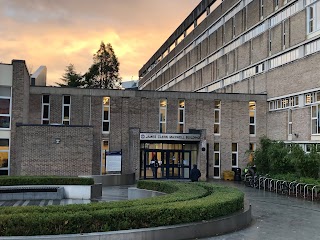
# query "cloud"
(56, 33)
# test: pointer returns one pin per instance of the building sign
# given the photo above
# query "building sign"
(113, 161)
(169, 137)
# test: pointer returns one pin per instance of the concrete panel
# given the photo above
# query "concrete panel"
(5, 75)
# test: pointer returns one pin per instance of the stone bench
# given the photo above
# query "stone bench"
(8, 193)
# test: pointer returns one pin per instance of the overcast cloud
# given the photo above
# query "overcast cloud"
(58, 32)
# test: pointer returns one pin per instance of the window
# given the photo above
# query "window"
(106, 115)
(252, 118)
(217, 109)
(270, 41)
(181, 116)
(66, 107)
(276, 4)
(234, 156)
(313, 18)
(5, 107)
(252, 148)
(45, 109)
(104, 149)
(216, 165)
(284, 35)
(315, 119)
(261, 8)
(163, 115)
(4, 156)
(289, 122)
(234, 26)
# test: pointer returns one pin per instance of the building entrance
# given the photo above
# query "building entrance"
(167, 163)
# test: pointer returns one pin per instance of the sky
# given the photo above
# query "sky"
(56, 33)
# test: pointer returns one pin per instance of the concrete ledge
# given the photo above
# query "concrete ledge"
(114, 179)
(202, 229)
(31, 193)
(137, 193)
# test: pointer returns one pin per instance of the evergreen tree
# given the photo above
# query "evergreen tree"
(71, 78)
(104, 72)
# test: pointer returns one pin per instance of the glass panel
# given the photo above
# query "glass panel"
(217, 104)
(252, 105)
(5, 91)
(3, 172)
(314, 111)
(181, 103)
(66, 99)
(106, 113)
(318, 96)
(181, 130)
(216, 172)
(163, 102)
(234, 147)
(216, 147)
(4, 143)
(162, 127)
(4, 122)
(66, 112)
(216, 116)
(106, 101)
(252, 129)
(181, 115)
(216, 128)
(45, 111)
(105, 127)
(314, 126)
(66, 122)
(162, 115)
(45, 99)
(4, 159)
(4, 106)
(251, 118)
(45, 122)
(216, 159)
(234, 159)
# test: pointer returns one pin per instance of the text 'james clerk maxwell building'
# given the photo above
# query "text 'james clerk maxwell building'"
(231, 73)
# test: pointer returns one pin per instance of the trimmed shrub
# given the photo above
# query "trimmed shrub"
(203, 202)
(47, 180)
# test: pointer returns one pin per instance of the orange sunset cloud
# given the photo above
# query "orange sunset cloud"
(56, 33)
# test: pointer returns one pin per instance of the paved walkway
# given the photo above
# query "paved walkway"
(277, 217)
(109, 194)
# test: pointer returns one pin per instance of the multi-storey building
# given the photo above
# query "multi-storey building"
(249, 46)
(73, 131)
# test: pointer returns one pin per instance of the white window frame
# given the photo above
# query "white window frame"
(42, 110)
(163, 122)
(261, 9)
(66, 121)
(315, 119)
(254, 117)
(106, 106)
(7, 114)
(103, 156)
(214, 160)
(289, 122)
(217, 122)
(236, 154)
(8, 151)
(181, 109)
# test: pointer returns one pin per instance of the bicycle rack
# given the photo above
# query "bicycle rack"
(262, 180)
(292, 186)
(277, 184)
(314, 188)
(304, 189)
(299, 184)
(264, 183)
(270, 187)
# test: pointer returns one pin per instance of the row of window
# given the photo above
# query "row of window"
(234, 157)
(267, 24)
(293, 101)
(66, 110)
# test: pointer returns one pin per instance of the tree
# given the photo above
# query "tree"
(71, 78)
(104, 72)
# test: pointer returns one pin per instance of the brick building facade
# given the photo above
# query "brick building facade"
(249, 46)
(65, 131)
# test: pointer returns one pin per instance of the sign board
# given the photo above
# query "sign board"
(170, 137)
(113, 161)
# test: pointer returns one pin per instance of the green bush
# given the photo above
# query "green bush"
(203, 202)
(47, 180)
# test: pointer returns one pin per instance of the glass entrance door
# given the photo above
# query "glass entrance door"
(167, 164)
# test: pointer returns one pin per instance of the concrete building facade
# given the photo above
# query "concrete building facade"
(73, 131)
(249, 46)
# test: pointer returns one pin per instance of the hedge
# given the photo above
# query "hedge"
(203, 202)
(46, 180)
